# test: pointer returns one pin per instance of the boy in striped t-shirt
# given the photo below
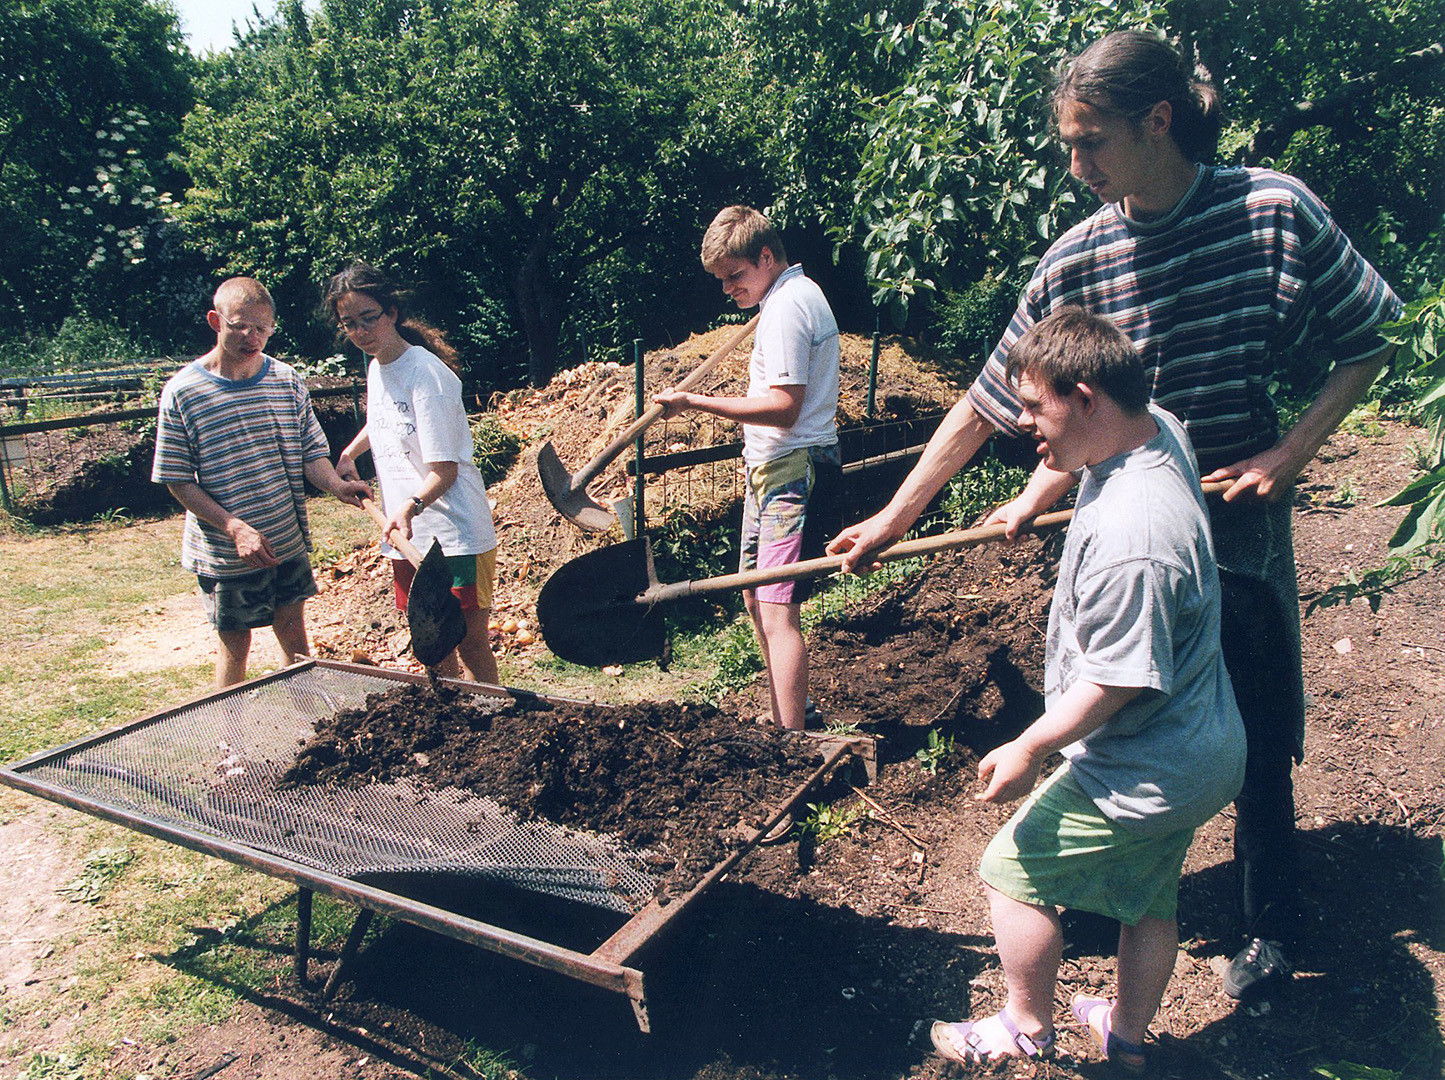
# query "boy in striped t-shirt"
(236, 440)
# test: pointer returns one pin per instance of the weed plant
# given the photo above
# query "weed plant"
(831, 821)
(974, 491)
(494, 446)
(939, 747)
(735, 653)
(100, 870)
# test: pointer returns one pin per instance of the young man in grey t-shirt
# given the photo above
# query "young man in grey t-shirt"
(1137, 701)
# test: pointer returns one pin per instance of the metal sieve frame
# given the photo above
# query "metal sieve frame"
(607, 966)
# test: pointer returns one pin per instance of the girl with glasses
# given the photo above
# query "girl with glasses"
(421, 445)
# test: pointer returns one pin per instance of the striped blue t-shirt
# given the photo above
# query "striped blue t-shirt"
(1249, 263)
(246, 444)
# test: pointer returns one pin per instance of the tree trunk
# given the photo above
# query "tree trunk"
(540, 296)
(1274, 136)
(541, 310)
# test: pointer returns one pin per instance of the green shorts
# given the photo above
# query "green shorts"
(1058, 850)
(250, 600)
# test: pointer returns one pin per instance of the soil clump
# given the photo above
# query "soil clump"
(681, 785)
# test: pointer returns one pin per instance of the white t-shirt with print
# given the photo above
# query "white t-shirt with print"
(414, 415)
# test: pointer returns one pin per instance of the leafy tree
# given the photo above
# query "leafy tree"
(90, 106)
(1348, 95)
(819, 54)
(508, 154)
(959, 177)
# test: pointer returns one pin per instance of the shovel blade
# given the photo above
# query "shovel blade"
(588, 610)
(433, 612)
(573, 503)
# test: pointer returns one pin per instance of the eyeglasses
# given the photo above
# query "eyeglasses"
(361, 322)
(259, 329)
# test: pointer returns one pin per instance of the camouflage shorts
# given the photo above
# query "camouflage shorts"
(250, 600)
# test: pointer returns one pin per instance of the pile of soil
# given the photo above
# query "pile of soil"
(685, 783)
(958, 645)
(584, 408)
(79, 473)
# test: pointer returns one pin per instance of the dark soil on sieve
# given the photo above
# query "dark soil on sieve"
(678, 787)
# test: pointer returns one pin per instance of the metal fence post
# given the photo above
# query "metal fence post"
(4, 468)
(639, 483)
(873, 363)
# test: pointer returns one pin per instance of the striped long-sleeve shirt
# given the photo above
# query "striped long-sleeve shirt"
(1248, 264)
(246, 444)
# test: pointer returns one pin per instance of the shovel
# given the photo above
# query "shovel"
(603, 607)
(568, 491)
(433, 612)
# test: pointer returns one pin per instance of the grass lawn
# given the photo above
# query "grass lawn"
(144, 939)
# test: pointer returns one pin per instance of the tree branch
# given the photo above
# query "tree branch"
(1272, 138)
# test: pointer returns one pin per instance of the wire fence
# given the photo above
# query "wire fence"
(93, 463)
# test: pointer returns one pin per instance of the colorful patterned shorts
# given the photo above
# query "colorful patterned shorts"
(793, 507)
(472, 579)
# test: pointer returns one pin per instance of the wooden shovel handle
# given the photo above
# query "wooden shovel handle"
(904, 549)
(395, 539)
(584, 475)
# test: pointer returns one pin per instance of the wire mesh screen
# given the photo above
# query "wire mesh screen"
(212, 767)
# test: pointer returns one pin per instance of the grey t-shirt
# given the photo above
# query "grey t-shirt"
(1137, 605)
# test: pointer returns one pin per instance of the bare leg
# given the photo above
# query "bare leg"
(289, 626)
(787, 655)
(231, 653)
(1030, 947)
(1146, 961)
(750, 601)
(475, 651)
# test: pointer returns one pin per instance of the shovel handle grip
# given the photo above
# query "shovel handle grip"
(585, 475)
(396, 540)
(904, 549)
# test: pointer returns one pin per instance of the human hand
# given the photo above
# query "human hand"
(1008, 771)
(346, 469)
(400, 522)
(673, 401)
(1015, 516)
(1266, 476)
(860, 543)
(352, 491)
(251, 546)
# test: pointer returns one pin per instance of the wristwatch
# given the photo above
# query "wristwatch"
(419, 503)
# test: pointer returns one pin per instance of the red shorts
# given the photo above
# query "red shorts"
(472, 579)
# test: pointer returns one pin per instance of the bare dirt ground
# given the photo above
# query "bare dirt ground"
(815, 959)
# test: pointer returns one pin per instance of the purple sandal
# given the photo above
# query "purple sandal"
(1127, 1056)
(965, 1032)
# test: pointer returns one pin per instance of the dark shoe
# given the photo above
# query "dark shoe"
(1256, 971)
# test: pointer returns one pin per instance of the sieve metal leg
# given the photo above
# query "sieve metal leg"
(637, 994)
(348, 951)
(303, 933)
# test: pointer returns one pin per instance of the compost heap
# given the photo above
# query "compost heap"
(687, 783)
